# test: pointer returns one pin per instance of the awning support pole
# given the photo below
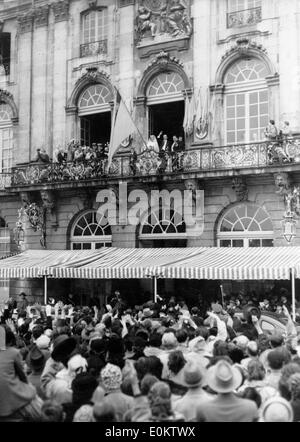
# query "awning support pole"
(45, 289)
(293, 294)
(155, 288)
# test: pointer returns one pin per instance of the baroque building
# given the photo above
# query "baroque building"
(231, 64)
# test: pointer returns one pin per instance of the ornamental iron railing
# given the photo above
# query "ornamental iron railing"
(242, 156)
(93, 48)
(244, 17)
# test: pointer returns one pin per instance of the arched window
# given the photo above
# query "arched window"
(6, 138)
(162, 223)
(90, 232)
(246, 101)
(94, 99)
(167, 83)
(245, 225)
(4, 238)
(165, 102)
(95, 114)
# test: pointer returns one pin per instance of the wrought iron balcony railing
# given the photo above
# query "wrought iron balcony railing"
(147, 163)
(5, 180)
(93, 48)
(244, 17)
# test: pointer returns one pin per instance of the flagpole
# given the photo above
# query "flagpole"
(131, 116)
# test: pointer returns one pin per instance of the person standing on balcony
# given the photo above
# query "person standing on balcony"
(271, 131)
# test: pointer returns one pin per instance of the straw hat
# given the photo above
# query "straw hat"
(223, 377)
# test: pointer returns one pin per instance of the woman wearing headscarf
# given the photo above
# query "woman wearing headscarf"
(153, 144)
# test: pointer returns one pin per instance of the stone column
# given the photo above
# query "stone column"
(25, 34)
(39, 90)
(61, 17)
(289, 53)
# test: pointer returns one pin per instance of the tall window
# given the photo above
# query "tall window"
(245, 225)
(165, 104)
(95, 114)
(246, 101)
(90, 232)
(95, 26)
(4, 239)
(241, 5)
(5, 53)
(6, 138)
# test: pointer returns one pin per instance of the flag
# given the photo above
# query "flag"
(122, 126)
(199, 112)
(186, 114)
(191, 116)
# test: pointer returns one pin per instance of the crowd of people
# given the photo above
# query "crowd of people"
(161, 361)
(169, 153)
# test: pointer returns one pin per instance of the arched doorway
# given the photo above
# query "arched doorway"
(94, 111)
(165, 103)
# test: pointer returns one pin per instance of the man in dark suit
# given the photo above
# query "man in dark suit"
(164, 144)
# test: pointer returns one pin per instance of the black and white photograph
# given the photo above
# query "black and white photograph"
(149, 214)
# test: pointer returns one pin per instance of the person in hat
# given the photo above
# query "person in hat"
(62, 349)
(35, 361)
(224, 379)
(23, 303)
(111, 380)
(194, 380)
(277, 409)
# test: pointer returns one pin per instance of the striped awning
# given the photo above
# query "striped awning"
(172, 263)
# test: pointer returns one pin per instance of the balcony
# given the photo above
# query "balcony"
(244, 17)
(5, 180)
(93, 48)
(209, 162)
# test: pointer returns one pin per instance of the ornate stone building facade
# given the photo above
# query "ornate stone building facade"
(232, 64)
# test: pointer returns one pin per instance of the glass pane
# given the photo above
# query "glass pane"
(76, 246)
(78, 231)
(263, 108)
(230, 137)
(230, 112)
(253, 110)
(267, 242)
(230, 100)
(237, 243)
(98, 245)
(254, 243)
(253, 99)
(230, 124)
(254, 227)
(241, 137)
(240, 123)
(253, 122)
(225, 243)
(240, 111)
(87, 246)
(263, 96)
(238, 227)
(266, 225)
(240, 99)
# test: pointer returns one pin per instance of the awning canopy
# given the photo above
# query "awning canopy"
(173, 263)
